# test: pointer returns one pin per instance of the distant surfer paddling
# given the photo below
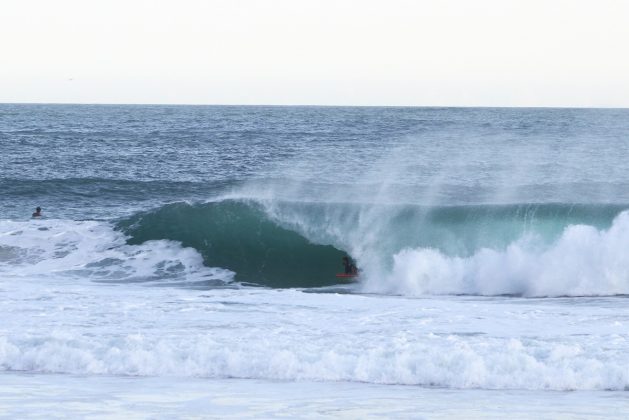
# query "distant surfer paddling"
(37, 212)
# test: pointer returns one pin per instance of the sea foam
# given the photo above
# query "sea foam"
(95, 250)
(582, 261)
(346, 338)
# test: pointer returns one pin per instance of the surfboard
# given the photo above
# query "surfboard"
(346, 276)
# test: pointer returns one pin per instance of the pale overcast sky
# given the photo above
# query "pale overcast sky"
(327, 52)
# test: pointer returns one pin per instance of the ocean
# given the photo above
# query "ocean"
(185, 264)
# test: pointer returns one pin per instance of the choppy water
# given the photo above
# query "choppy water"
(204, 242)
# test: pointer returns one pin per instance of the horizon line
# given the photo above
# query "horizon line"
(305, 105)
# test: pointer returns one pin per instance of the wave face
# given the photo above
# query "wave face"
(240, 237)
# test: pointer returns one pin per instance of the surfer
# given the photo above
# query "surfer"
(350, 267)
(347, 264)
(37, 212)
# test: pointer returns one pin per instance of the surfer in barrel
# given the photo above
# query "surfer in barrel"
(350, 267)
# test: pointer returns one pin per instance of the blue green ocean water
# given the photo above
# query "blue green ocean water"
(203, 242)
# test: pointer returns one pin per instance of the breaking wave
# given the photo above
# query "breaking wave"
(524, 250)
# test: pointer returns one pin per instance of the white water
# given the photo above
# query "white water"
(60, 327)
(77, 300)
(93, 250)
(584, 261)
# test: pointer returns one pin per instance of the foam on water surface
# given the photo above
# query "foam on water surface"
(66, 249)
(491, 343)
(582, 261)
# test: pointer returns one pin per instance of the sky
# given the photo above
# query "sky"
(569, 53)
